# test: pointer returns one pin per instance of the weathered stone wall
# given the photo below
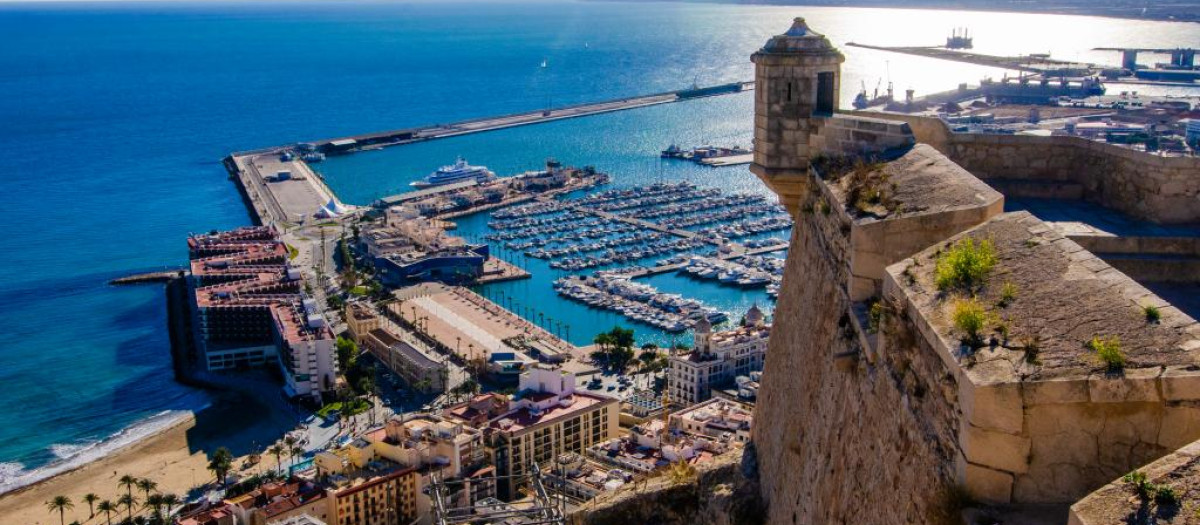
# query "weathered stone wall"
(1159, 189)
(724, 492)
(840, 439)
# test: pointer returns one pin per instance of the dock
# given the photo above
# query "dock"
(291, 201)
(1031, 64)
(732, 160)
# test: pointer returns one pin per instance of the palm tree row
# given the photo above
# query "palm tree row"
(127, 502)
(289, 447)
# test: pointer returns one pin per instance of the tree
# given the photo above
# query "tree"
(146, 486)
(60, 504)
(297, 452)
(347, 353)
(129, 502)
(169, 501)
(155, 502)
(277, 451)
(127, 482)
(220, 463)
(107, 507)
(91, 500)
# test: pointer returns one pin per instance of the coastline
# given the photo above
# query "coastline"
(174, 456)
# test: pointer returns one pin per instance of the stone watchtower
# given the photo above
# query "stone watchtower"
(797, 76)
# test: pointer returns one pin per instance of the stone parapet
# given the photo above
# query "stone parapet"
(1050, 426)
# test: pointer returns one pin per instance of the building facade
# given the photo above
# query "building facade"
(249, 310)
(717, 359)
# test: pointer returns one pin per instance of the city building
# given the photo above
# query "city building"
(301, 519)
(717, 359)
(721, 420)
(361, 319)
(280, 501)
(366, 487)
(250, 310)
(578, 477)
(547, 418)
(418, 368)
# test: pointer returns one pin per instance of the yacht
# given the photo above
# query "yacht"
(460, 171)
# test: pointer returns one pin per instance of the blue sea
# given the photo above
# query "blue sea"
(114, 117)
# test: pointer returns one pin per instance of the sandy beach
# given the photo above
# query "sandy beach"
(175, 458)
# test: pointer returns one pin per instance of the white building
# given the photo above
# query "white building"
(717, 358)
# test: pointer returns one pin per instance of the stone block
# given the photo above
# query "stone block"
(1133, 385)
(1180, 426)
(988, 485)
(1180, 384)
(996, 450)
(1055, 391)
(994, 406)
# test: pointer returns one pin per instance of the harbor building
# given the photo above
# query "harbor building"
(406, 248)
(717, 359)
(250, 310)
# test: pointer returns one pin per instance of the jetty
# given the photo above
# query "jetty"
(1027, 63)
(149, 277)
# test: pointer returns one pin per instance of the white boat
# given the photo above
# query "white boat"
(460, 171)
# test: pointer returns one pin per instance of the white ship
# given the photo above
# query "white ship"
(459, 172)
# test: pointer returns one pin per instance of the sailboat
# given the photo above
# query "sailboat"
(545, 63)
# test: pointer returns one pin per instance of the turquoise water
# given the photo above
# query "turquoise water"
(114, 118)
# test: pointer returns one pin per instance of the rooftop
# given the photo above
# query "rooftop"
(524, 418)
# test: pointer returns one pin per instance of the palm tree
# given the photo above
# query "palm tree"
(91, 500)
(146, 485)
(107, 507)
(127, 482)
(60, 504)
(169, 501)
(296, 452)
(278, 451)
(129, 502)
(155, 501)
(220, 463)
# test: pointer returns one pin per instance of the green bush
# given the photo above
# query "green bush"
(1008, 294)
(1166, 496)
(969, 318)
(1108, 349)
(1140, 484)
(1152, 314)
(965, 265)
(875, 316)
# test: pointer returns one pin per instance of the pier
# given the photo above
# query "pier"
(1032, 64)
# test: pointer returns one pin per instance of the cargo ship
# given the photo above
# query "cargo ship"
(696, 91)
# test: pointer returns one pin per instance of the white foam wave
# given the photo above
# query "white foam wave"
(74, 455)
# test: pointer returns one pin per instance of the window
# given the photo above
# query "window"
(825, 93)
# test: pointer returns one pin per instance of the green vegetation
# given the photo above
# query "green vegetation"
(1153, 315)
(219, 463)
(681, 472)
(1008, 294)
(614, 348)
(1108, 349)
(1164, 495)
(349, 408)
(60, 504)
(969, 318)
(1032, 347)
(360, 291)
(875, 316)
(966, 265)
(823, 206)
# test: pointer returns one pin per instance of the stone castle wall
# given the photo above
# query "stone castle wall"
(1164, 190)
(837, 440)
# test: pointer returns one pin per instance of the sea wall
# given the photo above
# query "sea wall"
(839, 438)
(1163, 190)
